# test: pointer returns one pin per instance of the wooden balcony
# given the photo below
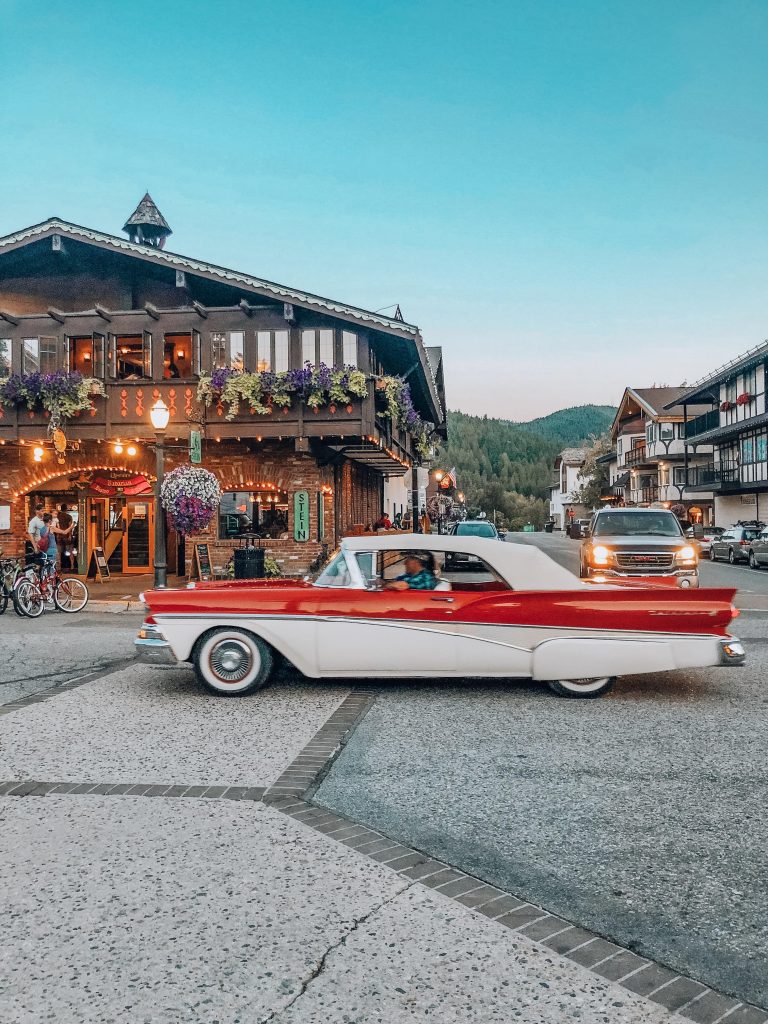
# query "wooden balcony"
(637, 456)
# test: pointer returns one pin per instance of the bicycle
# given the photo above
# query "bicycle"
(65, 593)
(11, 570)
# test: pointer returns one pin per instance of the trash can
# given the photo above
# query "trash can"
(549, 527)
(249, 563)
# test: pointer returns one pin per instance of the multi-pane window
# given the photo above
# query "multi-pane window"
(272, 351)
(730, 390)
(227, 349)
(349, 348)
(666, 431)
(750, 381)
(39, 355)
(679, 476)
(317, 347)
(5, 355)
(747, 450)
(649, 431)
(179, 355)
(761, 448)
(131, 356)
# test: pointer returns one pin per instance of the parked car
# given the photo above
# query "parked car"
(703, 536)
(639, 543)
(469, 528)
(758, 550)
(734, 543)
(525, 617)
(578, 528)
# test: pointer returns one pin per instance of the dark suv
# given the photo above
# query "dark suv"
(637, 543)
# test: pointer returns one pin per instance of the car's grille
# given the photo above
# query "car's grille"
(654, 560)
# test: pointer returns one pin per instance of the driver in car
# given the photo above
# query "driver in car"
(419, 573)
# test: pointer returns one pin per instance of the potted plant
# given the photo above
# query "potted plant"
(190, 495)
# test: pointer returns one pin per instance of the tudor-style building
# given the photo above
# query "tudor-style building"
(148, 323)
(564, 504)
(651, 464)
(727, 418)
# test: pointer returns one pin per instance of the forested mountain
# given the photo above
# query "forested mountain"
(508, 466)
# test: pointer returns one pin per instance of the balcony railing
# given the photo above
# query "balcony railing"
(701, 424)
(636, 456)
(644, 495)
(713, 474)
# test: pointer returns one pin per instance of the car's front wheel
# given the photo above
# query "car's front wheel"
(753, 562)
(731, 556)
(712, 555)
(582, 687)
(232, 662)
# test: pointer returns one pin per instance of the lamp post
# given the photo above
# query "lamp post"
(159, 414)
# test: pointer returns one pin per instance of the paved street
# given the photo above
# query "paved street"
(639, 816)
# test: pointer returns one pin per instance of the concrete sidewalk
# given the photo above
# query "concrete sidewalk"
(142, 878)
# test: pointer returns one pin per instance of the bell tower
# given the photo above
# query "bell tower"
(146, 225)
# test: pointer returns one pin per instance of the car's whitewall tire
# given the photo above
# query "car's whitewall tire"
(581, 687)
(232, 662)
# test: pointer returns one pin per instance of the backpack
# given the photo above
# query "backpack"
(42, 544)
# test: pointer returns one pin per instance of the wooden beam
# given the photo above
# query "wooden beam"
(9, 318)
(152, 310)
(200, 309)
(246, 307)
(56, 314)
(103, 313)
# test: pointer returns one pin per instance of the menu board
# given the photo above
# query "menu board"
(5, 517)
(202, 564)
(98, 568)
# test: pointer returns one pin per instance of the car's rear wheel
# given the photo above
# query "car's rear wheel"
(232, 662)
(582, 687)
(712, 555)
(753, 562)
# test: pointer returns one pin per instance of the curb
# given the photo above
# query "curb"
(114, 607)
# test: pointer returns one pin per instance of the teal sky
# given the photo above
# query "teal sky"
(568, 196)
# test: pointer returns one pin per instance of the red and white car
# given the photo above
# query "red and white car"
(520, 615)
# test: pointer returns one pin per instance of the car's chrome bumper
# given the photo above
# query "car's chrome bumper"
(152, 647)
(732, 651)
(687, 579)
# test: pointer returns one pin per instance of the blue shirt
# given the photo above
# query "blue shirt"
(48, 532)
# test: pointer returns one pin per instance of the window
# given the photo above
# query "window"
(263, 513)
(317, 347)
(730, 390)
(750, 382)
(663, 477)
(649, 432)
(335, 574)
(679, 476)
(272, 351)
(762, 448)
(619, 446)
(349, 348)
(40, 355)
(5, 355)
(747, 450)
(666, 431)
(178, 356)
(86, 354)
(227, 349)
(132, 356)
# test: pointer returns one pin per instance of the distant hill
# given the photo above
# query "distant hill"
(508, 466)
(570, 427)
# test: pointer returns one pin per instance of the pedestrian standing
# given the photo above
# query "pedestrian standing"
(34, 528)
(66, 525)
(46, 545)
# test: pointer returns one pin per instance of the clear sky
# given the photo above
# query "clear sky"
(568, 196)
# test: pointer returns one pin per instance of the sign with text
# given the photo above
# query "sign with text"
(195, 446)
(98, 569)
(301, 516)
(202, 565)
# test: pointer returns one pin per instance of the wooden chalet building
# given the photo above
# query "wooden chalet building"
(148, 323)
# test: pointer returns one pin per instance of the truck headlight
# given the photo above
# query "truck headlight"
(687, 555)
(600, 555)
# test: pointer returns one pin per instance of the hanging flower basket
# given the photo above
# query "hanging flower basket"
(191, 496)
(744, 399)
(725, 406)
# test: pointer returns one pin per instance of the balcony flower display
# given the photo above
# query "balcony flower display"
(725, 406)
(401, 410)
(190, 495)
(744, 399)
(315, 386)
(61, 394)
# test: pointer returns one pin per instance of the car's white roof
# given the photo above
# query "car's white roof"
(523, 566)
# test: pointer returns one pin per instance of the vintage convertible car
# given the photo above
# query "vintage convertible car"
(520, 615)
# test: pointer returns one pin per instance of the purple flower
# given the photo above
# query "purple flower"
(220, 377)
(301, 380)
(323, 377)
(12, 389)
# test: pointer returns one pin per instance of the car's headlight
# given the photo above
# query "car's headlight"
(600, 555)
(686, 554)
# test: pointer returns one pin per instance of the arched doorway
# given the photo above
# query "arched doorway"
(695, 515)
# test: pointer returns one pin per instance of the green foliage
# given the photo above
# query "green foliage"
(594, 472)
(509, 466)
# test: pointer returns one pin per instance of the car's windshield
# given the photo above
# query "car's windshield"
(637, 524)
(335, 574)
(475, 530)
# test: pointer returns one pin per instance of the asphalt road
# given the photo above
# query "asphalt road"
(641, 815)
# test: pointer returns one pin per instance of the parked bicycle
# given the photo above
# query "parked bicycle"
(45, 587)
(11, 571)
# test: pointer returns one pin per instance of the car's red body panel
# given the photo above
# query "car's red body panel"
(631, 608)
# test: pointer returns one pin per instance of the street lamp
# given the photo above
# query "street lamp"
(159, 414)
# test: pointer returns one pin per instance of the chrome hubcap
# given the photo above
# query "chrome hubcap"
(231, 661)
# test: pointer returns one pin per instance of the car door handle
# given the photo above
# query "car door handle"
(448, 600)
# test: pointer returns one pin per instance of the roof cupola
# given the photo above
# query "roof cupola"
(146, 225)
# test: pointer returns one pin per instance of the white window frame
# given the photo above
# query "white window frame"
(276, 357)
(350, 349)
(314, 346)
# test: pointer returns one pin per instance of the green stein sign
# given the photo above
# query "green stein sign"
(301, 515)
(195, 447)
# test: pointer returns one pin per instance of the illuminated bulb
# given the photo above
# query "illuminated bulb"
(131, 449)
(38, 453)
(118, 449)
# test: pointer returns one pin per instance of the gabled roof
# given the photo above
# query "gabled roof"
(54, 225)
(571, 456)
(654, 403)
